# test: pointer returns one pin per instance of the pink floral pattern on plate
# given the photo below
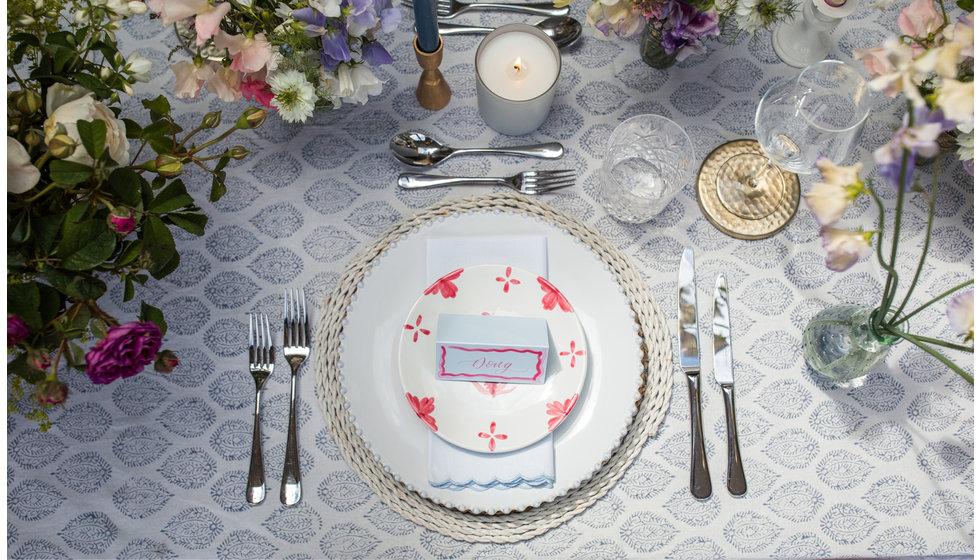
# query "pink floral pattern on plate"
(493, 389)
(417, 327)
(507, 280)
(559, 411)
(423, 409)
(444, 286)
(492, 436)
(553, 297)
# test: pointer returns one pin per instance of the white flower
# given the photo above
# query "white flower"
(21, 173)
(329, 8)
(342, 85)
(365, 84)
(59, 94)
(965, 149)
(138, 67)
(844, 247)
(956, 100)
(755, 15)
(907, 71)
(294, 96)
(88, 109)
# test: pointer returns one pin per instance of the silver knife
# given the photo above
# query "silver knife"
(687, 338)
(725, 376)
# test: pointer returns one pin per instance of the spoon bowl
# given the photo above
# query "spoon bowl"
(420, 150)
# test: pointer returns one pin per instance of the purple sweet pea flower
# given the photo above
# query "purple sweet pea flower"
(334, 48)
(124, 352)
(390, 18)
(688, 27)
(375, 54)
(17, 330)
(314, 20)
(916, 140)
(960, 314)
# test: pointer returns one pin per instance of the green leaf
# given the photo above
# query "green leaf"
(75, 285)
(173, 197)
(218, 188)
(153, 315)
(46, 232)
(167, 268)
(15, 260)
(965, 5)
(155, 129)
(159, 105)
(19, 229)
(129, 289)
(133, 128)
(51, 303)
(18, 366)
(125, 183)
(131, 250)
(24, 300)
(159, 244)
(69, 172)
(93, 134)
(60, 56)
(86, 245)
(163, 144)
(93, 84)
(191, 222)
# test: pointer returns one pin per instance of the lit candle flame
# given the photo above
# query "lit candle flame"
(518, 69)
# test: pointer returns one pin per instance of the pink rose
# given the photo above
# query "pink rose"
(124, 352)
(17, 330)
(121, 220)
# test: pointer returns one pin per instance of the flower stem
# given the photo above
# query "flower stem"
(945, 344)
(930, 302)
(933, 352)
(925, 244)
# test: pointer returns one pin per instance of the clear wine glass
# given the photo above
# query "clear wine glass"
(819, 112)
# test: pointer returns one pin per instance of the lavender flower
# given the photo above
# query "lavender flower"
(919, 139)
(960, 315)
(688, 26)
(844, 247)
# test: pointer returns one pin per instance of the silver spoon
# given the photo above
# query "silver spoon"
(563, 30)
(415, 148)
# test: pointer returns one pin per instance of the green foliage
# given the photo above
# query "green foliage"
(89, 219)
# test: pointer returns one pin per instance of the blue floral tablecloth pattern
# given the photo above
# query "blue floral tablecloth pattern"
(154, 466)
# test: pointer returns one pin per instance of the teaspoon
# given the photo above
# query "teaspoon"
(415, 148)
(563, 30)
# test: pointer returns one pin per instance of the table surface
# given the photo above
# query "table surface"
(155, 465)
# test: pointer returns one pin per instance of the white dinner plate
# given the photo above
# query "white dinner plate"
(386, 422)
(492, 417)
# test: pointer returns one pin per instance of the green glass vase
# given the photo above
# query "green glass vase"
(652, 51)
(842, 344)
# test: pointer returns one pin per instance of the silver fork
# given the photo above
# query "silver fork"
(296, 348)
(451, 8)
(261, 363)
(527, 182)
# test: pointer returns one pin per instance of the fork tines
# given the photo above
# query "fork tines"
(260, 349)
(296, 325)
(542, 181)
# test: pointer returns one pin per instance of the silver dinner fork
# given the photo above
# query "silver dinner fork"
(527, 182)
(296, 348)
(451, 8)
(261, 363)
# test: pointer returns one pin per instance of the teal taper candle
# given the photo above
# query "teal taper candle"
(426, 26)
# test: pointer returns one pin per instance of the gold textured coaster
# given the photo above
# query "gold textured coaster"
(746, 213)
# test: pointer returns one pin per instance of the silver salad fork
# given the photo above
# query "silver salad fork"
(296, 348)
(261, 363)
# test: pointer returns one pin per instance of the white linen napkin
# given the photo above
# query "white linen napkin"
(453, 467)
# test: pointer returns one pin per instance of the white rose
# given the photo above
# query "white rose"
(138, 67)
(88, 109)
(21, 173)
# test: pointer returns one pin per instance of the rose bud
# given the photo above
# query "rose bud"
(29, 101)
(166, 362)
(121, 220)
(168, 165)
(253, 117)
(211, 119)
(51, 391)
(39, 359)
(17, 330)
(238, 152)
(62, 146)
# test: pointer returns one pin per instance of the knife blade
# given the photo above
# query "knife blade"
(687, 340)
(725, 376)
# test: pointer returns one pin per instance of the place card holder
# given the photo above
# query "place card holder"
(433, 90)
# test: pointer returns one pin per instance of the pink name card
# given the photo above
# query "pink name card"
(489, 348)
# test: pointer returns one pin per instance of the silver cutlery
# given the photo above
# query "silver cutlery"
(687, 339)
(562, 30)
(415, 148)
(261, 363)
(452, 8)
(725, 376)
(296, 348)
(527, 182)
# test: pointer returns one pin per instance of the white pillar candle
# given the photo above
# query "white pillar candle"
(517, 68)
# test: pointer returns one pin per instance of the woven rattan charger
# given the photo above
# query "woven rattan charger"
(515, 526)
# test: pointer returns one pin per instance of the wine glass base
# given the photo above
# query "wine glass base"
(738, 209)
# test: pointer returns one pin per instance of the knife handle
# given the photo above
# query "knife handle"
(700, 479)
(736, 476)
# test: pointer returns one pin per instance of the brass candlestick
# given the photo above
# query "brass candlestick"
(433, 91)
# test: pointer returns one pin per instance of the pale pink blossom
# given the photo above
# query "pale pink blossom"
(840, 186)
(906, 75)
(190, 78)
(960, 315)
(226, 83)
(920, 19)
(250, 54)
(844, 247)
(206, 23)
(875, 61)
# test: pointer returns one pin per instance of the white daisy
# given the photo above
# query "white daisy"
(755, 15)
(294, 96)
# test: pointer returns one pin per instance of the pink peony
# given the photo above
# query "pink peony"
(124, 352)
(17, 330)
